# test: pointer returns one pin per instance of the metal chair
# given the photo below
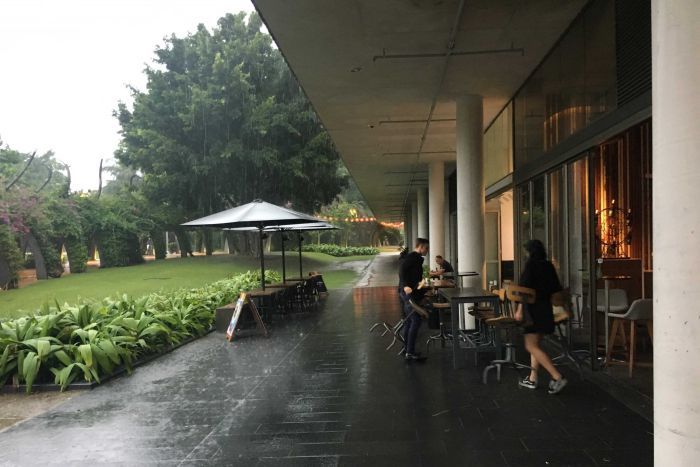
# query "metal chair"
(640, 310)
(514, 295)
(395, 329)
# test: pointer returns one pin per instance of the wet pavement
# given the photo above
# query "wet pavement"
(323, 391)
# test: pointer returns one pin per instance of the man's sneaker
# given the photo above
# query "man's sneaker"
(413, 356)
(555, 387)
(527, 383)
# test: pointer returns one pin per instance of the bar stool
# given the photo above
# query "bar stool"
(514, 295)
(640, 310)
(443, 335)
(563, 317)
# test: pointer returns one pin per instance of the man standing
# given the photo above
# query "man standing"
(410, 275)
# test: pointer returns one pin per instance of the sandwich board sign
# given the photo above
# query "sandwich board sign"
(244, 303)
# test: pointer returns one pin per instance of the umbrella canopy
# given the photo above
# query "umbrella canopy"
(292, 227)
(285, 227)
(257, 215)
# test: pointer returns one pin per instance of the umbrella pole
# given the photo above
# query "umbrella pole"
(262, 261)
(284, 266)
(301, 273)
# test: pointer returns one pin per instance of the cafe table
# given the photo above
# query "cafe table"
(442, 284)
(463, 295)
(265, 297)
(283, 285)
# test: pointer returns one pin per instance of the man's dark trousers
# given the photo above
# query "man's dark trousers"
(412, 325)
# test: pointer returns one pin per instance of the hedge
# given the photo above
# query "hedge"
(336, 250)
(92, 339)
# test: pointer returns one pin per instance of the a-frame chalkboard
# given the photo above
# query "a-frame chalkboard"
(242, 304)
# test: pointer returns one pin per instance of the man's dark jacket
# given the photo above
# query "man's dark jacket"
(411, 273)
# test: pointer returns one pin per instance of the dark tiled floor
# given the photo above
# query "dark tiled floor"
(322, 391)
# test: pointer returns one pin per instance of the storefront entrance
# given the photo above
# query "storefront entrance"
(594, 216)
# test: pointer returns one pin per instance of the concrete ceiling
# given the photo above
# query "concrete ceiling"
(376, 106)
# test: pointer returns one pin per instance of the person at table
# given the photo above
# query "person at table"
(539, 274)
(410, 276)
(443, 267)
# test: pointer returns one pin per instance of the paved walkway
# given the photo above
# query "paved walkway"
(322, 391)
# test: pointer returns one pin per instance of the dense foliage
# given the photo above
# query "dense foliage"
(222, 121)
(91, 340)
(335, 250)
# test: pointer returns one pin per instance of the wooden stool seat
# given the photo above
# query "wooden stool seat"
(442, 305)
(502, 321)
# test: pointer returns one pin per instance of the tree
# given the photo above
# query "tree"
(222, 122)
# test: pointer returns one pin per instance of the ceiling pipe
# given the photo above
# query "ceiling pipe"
(417, 153)
(387, 122)
(448, 53)
(510, 50)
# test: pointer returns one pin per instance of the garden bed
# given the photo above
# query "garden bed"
(79, 346)
(82, 385)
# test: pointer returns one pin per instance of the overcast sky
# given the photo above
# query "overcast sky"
(64, 65)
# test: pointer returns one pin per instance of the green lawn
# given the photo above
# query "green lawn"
(169, 275)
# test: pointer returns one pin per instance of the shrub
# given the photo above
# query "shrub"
(10, 254)
(337, 250)
(90, 340)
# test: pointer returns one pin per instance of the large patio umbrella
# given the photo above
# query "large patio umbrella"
(292, 227)
(256, 215)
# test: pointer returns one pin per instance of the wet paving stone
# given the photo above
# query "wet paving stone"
(322, 391)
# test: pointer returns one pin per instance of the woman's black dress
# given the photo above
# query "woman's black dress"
(539, 274)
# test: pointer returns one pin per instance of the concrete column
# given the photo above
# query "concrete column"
(436, 200)
(449, 254)
(470, 187)
(407, 224)
(676, 191)
(414, 224)
(423, 212)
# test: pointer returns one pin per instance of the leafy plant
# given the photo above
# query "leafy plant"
(92, 339)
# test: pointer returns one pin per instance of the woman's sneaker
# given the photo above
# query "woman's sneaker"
(527, 383)
(555, 387)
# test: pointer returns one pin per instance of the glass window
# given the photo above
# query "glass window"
(539, 202)
(572, 87)
(524, 218)
(498, 147)
(557, 245)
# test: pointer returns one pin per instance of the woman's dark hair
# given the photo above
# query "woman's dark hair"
(535, 250)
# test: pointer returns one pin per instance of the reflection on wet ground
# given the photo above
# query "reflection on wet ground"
(322, 391)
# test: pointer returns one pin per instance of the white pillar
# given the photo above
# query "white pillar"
(423, 212)
(470, 187)
(676, 191)
(436, 199)
(414, 224)
(407, 224)
(449, 254)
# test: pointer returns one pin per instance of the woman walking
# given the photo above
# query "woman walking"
(539, 274)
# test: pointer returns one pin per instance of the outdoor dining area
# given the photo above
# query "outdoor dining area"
(296, 294)
(473, 321)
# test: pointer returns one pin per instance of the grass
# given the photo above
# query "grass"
(166, 275)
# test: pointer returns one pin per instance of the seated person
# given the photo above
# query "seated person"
(443, 267)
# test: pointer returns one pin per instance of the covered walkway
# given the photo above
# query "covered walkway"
(322, 391)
